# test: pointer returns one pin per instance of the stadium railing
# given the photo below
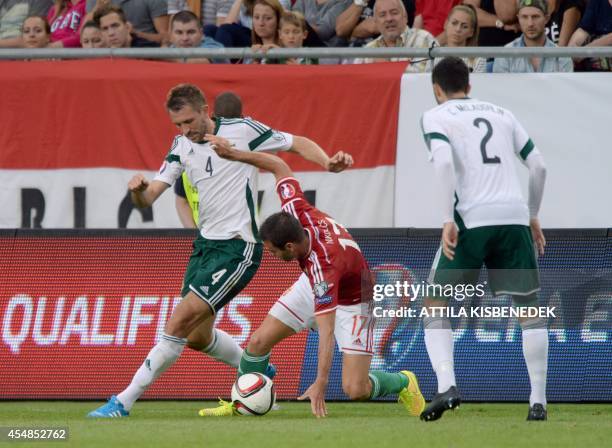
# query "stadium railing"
(340, 53)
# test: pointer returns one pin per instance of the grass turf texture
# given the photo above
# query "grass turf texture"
(176, 424)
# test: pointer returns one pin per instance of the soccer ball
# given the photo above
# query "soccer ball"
(253, 394)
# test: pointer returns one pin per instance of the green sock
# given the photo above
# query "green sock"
(253, 363)
(385, 383)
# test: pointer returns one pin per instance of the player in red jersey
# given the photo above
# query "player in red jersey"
(341, 282)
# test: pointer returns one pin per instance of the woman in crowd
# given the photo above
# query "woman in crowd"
(65, 21)
(91, 36)
(236, 31)
(266, 20)
(461, 30)
(35, 32)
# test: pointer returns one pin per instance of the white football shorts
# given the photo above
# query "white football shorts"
(353, 330)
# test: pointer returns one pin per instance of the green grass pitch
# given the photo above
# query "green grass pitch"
(370, 425)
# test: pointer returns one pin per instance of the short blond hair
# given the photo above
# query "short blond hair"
(293, 18)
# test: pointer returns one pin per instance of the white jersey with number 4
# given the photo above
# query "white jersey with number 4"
(485, 140)
(226, 190)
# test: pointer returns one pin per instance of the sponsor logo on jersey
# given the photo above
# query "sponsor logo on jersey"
(320, 289)
(287, 191)
(325, 300)
(357, 342)
(204, 289)
(163, 166)
(148, 364)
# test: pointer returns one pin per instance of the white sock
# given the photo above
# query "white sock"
(224, 348)
(162, 356)
(440, 346)
(535, 351)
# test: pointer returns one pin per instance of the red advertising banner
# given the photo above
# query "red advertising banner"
(79, 316)
(110, 113)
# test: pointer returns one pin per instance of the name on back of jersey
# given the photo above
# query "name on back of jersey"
(323, 224)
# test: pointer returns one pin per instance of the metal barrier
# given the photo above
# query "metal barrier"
(339, 53)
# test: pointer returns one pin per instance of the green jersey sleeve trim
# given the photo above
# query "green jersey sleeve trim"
(434, 136)
(458, 218)
(251, 205)
(259, 140)
(173, 158)
(174, 144)
(255, 125)
(526, 149)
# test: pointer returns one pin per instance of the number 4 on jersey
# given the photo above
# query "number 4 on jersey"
(217, 275)
(209, 167)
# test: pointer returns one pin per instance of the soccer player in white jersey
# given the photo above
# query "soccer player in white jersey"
(227, 251)
(473, 145)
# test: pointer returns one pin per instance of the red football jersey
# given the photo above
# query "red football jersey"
(337, 270)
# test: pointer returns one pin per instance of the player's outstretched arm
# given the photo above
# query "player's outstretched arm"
(311, 151)
(316, 391)
(266, 162)
(143, 193)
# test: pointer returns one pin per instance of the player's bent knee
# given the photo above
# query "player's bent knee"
(259, 344)
(198, 343)
(357, 391)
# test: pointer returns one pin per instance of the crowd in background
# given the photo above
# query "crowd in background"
(266, 24)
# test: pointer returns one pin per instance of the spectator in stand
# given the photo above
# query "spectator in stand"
(564, 18)
(292, 34)
(186, 32)
(236, 29)
(356, 23)
(91, 36)
(595, 30)
(532, 17)
(266, 18)
(12, 15)
(65, 20)
(431, 16)
(498, 24)
(392, 24)
(35, 32)
(321, 15)
(117, 30)
(461, 30)
(148, 19)
(214, 12)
